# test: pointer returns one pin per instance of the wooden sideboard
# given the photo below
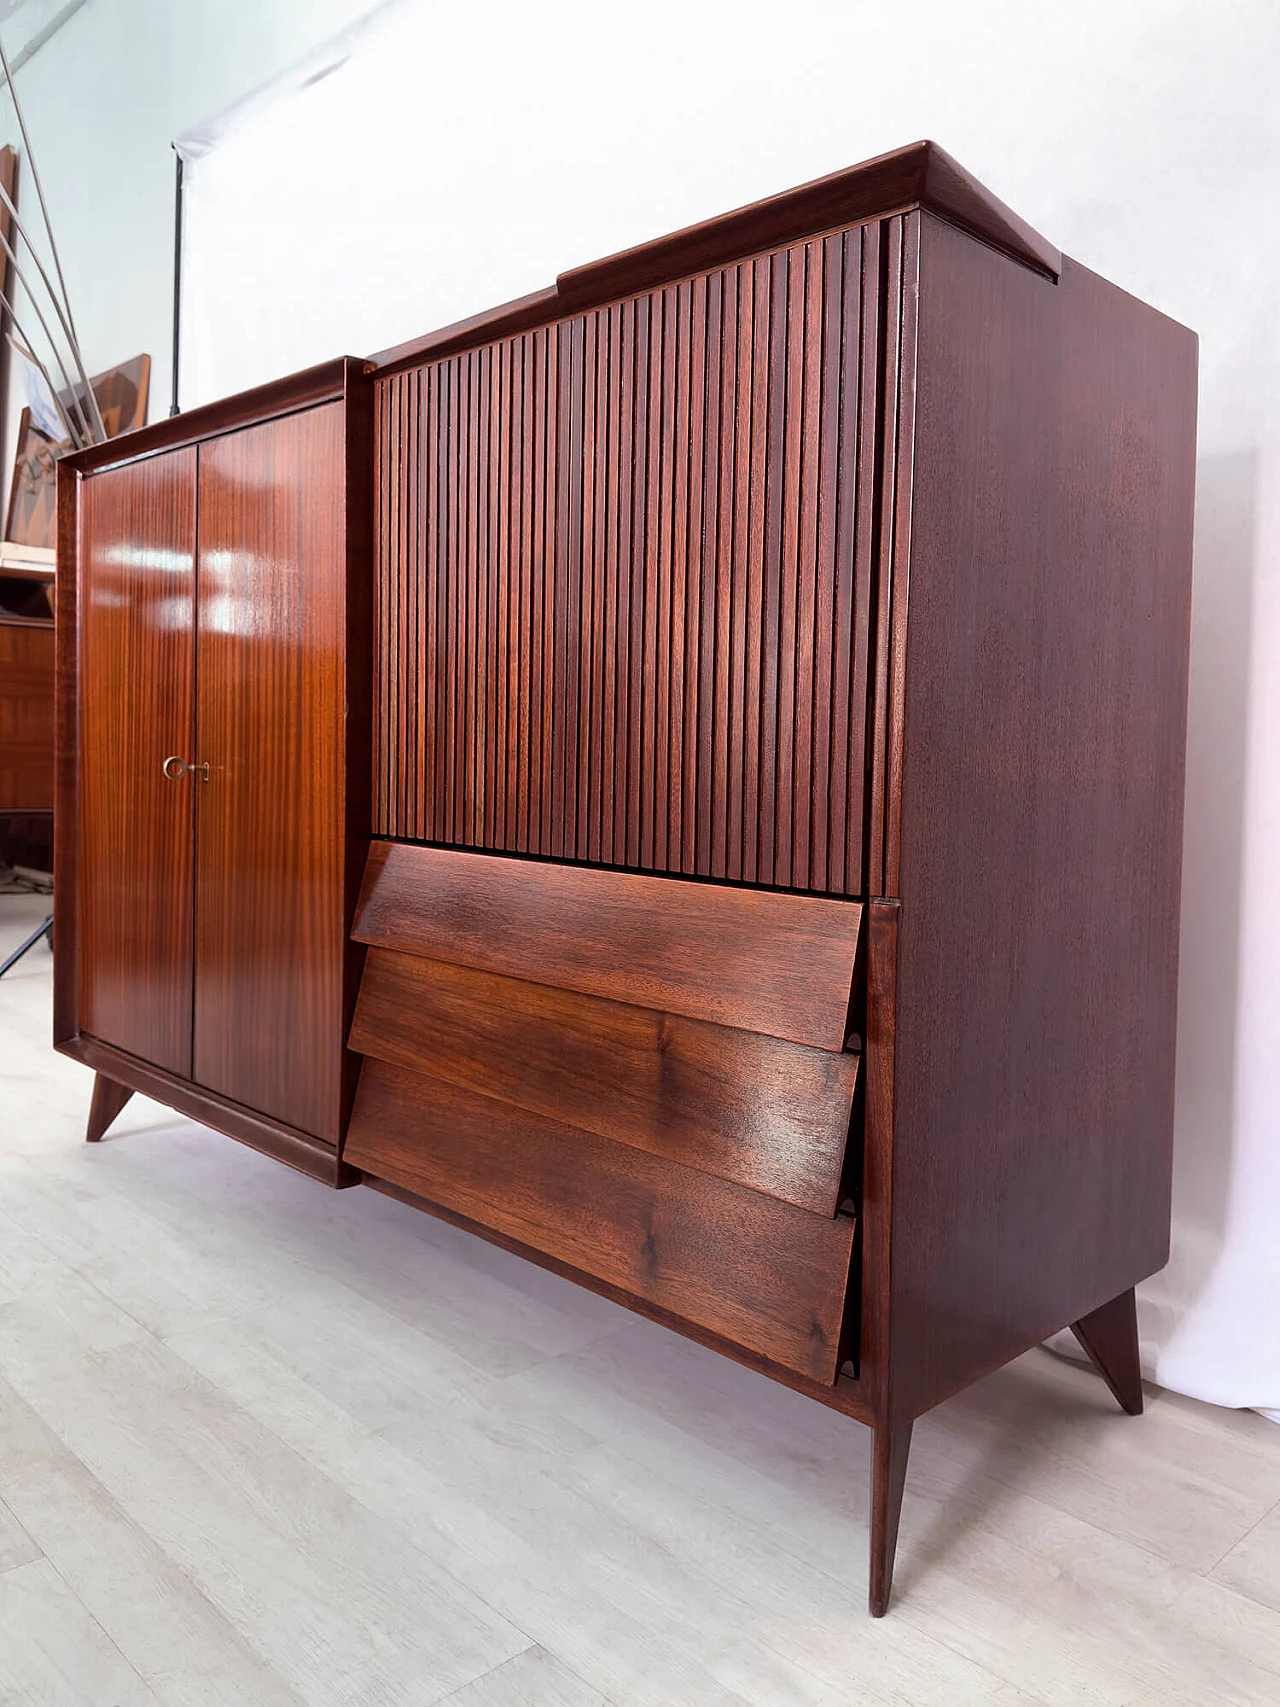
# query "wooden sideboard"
(26, 707)
(212, 810)
(694, 784)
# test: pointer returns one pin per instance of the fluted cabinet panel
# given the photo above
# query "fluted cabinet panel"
(624, 590)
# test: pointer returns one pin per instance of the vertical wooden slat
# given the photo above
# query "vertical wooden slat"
(625, 670)
(829, 264)
(773, 703)
(891, 318)
(525, 625)
(677, 434)
(713, 710)
(735, 486)
(758, 707)
(700, 608)
(789, 518)
(586, 843)
(636, 799)
(812, 585)
(857, 877)
(636, 600)
(902, 405)
(612, 667)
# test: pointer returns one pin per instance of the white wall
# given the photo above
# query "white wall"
(103, 99)
(1142, 136)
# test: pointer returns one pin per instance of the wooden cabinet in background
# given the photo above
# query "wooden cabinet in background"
(26, 715)
(26, 706)
(212, 762)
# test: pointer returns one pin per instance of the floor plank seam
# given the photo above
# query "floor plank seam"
(100, 1627)
(1239, 1542)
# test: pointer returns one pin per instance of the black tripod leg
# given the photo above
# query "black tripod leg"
(45, 930)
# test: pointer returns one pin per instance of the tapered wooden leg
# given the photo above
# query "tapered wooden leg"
(108, 1099)
(1110, 1336)
(889, 1451)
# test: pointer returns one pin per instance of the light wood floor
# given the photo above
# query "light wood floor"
(264, 1444)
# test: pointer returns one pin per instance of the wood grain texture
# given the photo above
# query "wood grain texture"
(870, 1325)
(1045, 719)
(26, 715)
(1109, 1335)
(756, 1270)
(770, 1115)
(893, 556)
(919, 175)
(67, 755)
(328, 382)
(890, 1449)
(778, 964)
(108, 1100)
(624, 577)
(270, 938)
(275, 1138)
(136, 652)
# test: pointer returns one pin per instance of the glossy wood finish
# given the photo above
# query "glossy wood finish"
(273, 1138)
(919, 175)
(136, 657)
(107, 1101)
(751, 1268)
(324, 518)
(328, 382)
(26, 715)
(624, 577)
(1109, 1335)
(270, 936)
(922, 173)
(778, 964)
(832, 556)
(1041, 809)
(769, 1115)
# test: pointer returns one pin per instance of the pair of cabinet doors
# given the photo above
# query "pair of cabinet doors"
(211, 718)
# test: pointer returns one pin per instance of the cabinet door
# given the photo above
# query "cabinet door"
(135, 616)
(271, 715)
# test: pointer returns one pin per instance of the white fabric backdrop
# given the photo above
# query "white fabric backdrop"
(437, 161)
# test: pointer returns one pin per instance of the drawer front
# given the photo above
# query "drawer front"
(759, 1272)
(778, 964)
(762, 1112)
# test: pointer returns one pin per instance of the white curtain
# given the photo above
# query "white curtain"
(436, 161)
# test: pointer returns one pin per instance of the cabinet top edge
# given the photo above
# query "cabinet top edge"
(325, 383)
(920, 175)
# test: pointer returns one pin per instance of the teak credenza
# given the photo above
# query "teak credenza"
(680, 775)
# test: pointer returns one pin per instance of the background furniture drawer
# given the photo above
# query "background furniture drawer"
(761, 1273)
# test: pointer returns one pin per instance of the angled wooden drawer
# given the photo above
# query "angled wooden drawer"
(760, 1111)
(753, 959)
(759, 1272)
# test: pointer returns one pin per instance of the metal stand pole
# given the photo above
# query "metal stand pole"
(46, 929)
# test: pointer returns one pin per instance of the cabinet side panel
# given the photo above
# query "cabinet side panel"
(1045, 725)
(271, 710)
(133, 937)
